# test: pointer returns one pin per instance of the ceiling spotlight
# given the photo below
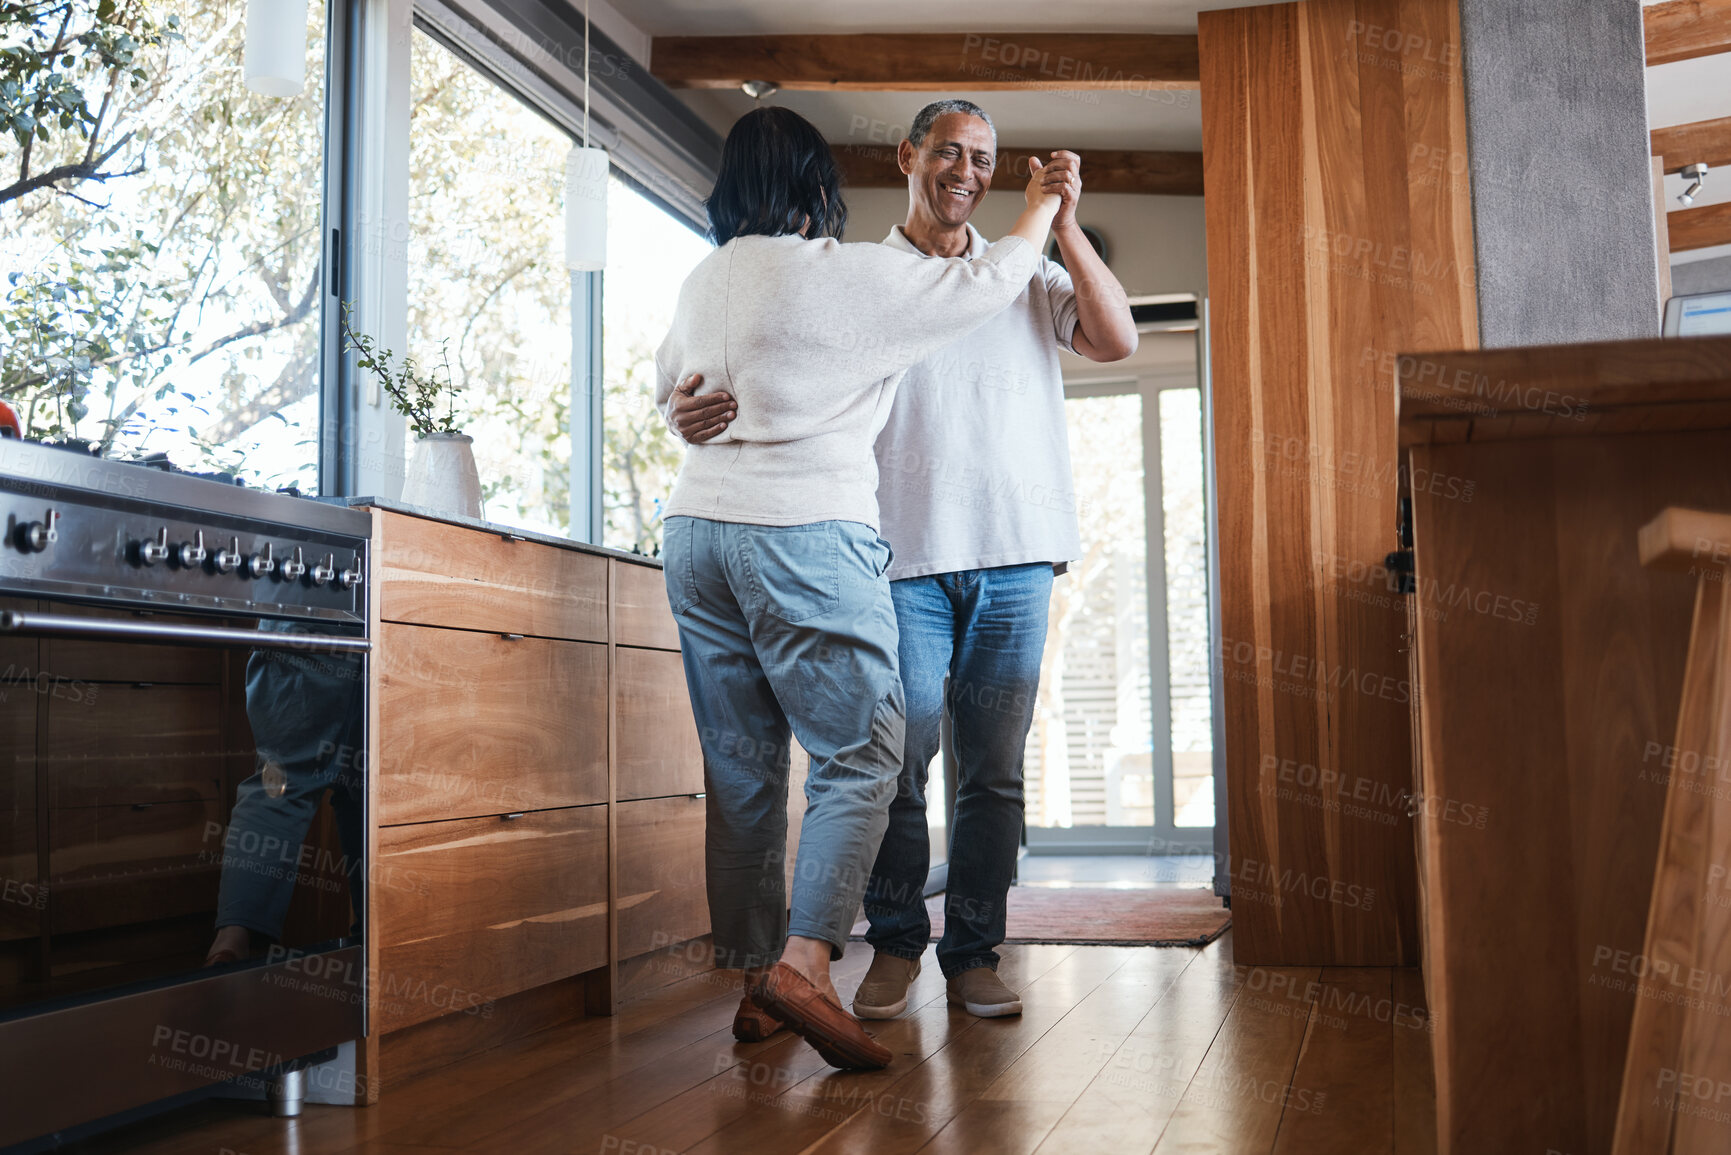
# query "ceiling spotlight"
(758, 89)
(1696, 174)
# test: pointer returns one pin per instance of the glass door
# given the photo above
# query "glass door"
(1120, 757)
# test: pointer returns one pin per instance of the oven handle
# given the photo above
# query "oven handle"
(112, 630)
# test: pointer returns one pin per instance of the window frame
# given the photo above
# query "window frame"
(527, 48)
(1164, 836)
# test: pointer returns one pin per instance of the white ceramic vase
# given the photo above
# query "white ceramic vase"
(442, 475)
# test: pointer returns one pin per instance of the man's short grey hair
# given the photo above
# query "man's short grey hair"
(928, 115)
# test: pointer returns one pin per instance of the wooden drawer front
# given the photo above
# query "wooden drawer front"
(475, 724)
(126, 745)
(658, 750)
(112, 865)
(475, 910)
(661, 879)
(446, 575)
(640, 613)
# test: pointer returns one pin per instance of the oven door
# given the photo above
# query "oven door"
(182, 818)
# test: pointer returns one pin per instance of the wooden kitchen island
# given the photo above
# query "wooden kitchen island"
(1548, 666)
(537, 800)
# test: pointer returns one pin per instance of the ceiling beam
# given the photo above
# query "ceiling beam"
(1103, 170)
(931, 62)
(1685, 29)
(1700, 228)
(1704, 142)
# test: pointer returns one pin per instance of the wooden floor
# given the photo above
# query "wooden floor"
(1120, 1050)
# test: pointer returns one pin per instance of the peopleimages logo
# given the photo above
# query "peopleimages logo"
(1397, 261)
(1348, 894)
(1022, 61)
(1359, 796)
(1303, 675)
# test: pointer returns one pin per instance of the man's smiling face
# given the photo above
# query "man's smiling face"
(951, 169)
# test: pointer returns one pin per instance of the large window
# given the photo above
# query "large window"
(163, 246)
(649, 256)
(1123, 730)
(162, 295)
(489, 294)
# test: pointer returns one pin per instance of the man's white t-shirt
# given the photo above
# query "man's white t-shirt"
(974, 462)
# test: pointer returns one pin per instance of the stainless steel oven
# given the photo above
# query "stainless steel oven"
(183, 671)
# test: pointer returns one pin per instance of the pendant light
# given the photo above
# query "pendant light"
(586, 172)
(276, 47)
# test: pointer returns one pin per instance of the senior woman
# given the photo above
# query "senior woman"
(774, 568)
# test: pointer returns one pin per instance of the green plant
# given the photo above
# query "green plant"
(413, 394)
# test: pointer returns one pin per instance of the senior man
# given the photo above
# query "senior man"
(976, 499)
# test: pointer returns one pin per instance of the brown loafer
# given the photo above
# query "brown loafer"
(837, 1035)
(753, 1024)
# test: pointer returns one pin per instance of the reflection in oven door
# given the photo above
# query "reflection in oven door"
(168, 808)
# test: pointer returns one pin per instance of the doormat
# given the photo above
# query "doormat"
(1157, 916)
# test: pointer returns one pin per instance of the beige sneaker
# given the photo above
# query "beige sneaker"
(984, 994)
(883, 993)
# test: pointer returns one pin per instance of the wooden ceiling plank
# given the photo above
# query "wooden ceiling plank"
(1704, 142)
(1700, 228)
(932, 62)
(1685, 29)
(1103, 170)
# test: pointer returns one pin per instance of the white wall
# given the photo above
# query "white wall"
(1154, 243)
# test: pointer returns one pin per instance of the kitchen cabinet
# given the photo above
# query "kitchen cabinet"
(658, 750)
(1547, 672)
(661, 878)
(480, 723)
(458, 577)
(521, 900)
(538, 805)
(640, 613)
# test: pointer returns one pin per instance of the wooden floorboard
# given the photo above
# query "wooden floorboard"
(1119, 1050)
(1129, 1100)
(804, 1112)
(1235, 1099)
(1345, 1072)
(1414, 1077)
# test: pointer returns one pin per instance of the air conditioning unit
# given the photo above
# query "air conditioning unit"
(1165, 313)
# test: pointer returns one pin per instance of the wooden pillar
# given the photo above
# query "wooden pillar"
(1339, 234)
(1679, 1053)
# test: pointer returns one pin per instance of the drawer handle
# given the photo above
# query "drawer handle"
(512, 637)
(512, 537)
(512, 817)
(701, 794)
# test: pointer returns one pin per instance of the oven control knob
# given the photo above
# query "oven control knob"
(39, 535)
(294, 568)
(351, 577)
(193, 553)
(151, 552)
(324, 571)
(260, 564)
(226, 560)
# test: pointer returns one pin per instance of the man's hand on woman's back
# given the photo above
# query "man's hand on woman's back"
(697, 419)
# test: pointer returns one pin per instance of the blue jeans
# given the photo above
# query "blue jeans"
(787, 629)
(310, 731)
(986, 630)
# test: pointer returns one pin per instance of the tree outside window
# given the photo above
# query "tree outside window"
(160, 232)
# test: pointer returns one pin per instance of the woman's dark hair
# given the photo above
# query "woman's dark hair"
(777, 173)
